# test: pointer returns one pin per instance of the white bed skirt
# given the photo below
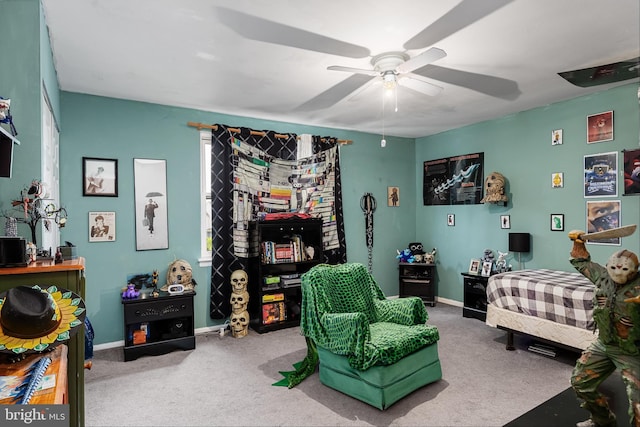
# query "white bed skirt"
(538, 327)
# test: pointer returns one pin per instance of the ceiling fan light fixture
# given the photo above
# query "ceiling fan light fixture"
(389, 80)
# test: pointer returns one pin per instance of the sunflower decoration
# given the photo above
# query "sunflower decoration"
(34, 319)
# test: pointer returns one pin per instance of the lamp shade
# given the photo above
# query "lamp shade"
(519, 242)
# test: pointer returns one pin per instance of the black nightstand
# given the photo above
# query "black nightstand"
(475, 296)
(167, 323)
(418, 279)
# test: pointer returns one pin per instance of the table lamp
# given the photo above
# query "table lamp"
(519, 242)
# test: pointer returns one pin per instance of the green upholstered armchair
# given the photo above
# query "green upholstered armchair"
(375, 349)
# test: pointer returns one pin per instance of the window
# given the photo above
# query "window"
(205, 198)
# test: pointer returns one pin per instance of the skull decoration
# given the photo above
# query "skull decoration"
(239, 281)
(239, 324)
(494, 191)
(239, 302)
(622, 266)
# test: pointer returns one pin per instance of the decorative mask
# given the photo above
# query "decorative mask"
(494, 188)
(180, 273)
(622, 266)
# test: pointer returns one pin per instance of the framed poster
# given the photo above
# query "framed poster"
(393, 196)
(505, 221)
(601, 174)
(150, 201)
(557, 222)
(102, 226)
(454, 180)
(556, 137)
(557, 180)
(451, 220)
(631, 172)
(99, 177)
(600, 127)
(603, 215)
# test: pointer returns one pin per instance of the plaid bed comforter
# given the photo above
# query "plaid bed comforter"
(558, 296)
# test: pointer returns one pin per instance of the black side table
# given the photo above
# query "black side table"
(154, 326)
(475, 296)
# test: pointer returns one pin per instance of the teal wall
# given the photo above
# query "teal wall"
(20, 77)
(124, 130)
(519, 147)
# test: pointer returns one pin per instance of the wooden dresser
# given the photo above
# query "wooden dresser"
(68, 275)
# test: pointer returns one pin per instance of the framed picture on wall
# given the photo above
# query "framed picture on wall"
(505, 221)
(603, 215)
(601, 174)
(631, 172)
(556, 137)
(451, 220)
(557, 180)
(600, 127)
(150, 202)
(557, 222)
(393, 196)
(99, 177)
(102, 226)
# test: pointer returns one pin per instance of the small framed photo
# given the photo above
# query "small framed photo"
(102, 226)
(474, 266)
(505, 221)
(99, 177)
(486, 268)
(600, 127)
(557, 180)
(451, 220)
(557, 222)
(393, 196)
(556, 137)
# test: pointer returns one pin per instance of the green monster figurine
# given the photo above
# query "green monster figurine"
(617, 316)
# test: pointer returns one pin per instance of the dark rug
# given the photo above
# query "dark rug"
(563, 410)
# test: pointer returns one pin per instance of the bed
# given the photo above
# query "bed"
(553, 306)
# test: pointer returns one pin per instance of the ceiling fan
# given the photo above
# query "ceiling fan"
(395, 67)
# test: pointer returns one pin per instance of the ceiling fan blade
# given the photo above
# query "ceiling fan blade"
(465, 13)
(419, 61)
(603, 74)
(335, 93)
(260, 29)
(419, 84)
(353, 70)
(489, 85)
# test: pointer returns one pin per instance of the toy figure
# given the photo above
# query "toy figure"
(131, 292)
(405, 256)
(617, 316)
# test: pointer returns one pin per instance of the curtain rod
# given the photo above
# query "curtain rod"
(201, 126)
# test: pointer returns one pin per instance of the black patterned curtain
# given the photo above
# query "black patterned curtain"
(231, 152)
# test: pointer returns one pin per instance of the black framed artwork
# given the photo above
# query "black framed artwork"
(99, 177)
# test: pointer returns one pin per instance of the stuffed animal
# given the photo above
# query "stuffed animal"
(180, 273)
(131, 292)
(430, 257)
(405, 256)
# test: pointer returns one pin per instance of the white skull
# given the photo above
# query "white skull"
(239, 281)
(240, 324)
(239, 302)
(622, 266)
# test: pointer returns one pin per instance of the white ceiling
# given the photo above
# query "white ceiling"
(211, 55)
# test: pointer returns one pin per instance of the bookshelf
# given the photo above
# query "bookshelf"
(282, 250)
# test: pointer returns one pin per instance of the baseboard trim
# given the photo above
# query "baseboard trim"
(198, 331)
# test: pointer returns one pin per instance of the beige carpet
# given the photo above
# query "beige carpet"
(227, 382)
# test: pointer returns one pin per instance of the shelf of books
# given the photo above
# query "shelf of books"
(285, 249)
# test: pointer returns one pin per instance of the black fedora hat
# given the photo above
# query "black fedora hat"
(35, 318)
